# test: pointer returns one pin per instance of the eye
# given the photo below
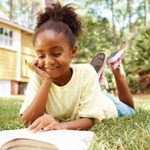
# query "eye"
(56, 54)
(41, 57)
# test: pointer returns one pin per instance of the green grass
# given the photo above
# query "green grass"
(127, 132)
(9, 112)
(124, 133)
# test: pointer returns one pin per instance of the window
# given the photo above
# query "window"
(6, 37)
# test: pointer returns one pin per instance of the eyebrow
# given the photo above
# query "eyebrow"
(54, 47)
(51, 49)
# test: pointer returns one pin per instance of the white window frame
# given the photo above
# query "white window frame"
(7, 38)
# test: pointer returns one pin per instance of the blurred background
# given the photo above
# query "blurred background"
(108, 25)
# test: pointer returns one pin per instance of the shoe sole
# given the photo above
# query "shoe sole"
(98, 61)
(115, 55)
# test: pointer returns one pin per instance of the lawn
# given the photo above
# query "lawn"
(124, 133)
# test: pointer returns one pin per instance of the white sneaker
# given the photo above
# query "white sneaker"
(114, 60)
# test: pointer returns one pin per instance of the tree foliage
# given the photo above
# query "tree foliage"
(108, 25)
(96, 37)
(138, 62)
(21, 12)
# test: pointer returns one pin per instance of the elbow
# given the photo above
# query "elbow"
(23, 120)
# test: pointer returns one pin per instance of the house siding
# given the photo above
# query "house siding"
(15, 61)
(27, 46)
(8, 67)
(27, 55)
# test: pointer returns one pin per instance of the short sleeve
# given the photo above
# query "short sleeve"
(32, 88)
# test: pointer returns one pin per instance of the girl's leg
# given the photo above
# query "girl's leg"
(114, 61)
(122, 87)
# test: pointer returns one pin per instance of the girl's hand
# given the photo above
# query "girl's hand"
(40, 71)
(45, 123)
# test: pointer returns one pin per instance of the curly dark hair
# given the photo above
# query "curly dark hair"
(62, 19)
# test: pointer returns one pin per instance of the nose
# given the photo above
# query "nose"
(49, 61)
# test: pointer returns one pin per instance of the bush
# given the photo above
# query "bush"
(137, 62)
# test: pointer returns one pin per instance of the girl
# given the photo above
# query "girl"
(61, 95)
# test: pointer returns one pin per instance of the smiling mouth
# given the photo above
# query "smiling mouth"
(51, 68)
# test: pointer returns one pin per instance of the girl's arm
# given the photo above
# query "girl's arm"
(83, 123)
(37, 107)
(47, 122)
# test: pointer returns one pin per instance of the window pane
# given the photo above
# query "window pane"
(10, 34)
(1, 39)
(10, 42)
(5, 41)
(1, 30)
(6, 37)
(6, 32)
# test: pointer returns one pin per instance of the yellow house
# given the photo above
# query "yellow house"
(16, 53)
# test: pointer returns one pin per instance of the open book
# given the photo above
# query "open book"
(22, 139)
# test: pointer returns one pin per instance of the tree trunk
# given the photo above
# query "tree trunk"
(30, 16)
(113, 23)
(129, 10)
(146, 12)
(46, 3)
(11, 10)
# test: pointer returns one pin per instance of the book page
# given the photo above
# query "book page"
(63, 139)
(28, 144)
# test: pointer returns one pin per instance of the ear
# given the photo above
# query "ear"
(74, 51)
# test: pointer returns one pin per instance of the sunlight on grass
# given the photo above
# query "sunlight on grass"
(142, 101)
(9, 110)
(127, 132)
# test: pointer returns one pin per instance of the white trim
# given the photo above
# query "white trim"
(15, 25)
(2, 15)
(18, 44)
(7, 47)
(5, 87)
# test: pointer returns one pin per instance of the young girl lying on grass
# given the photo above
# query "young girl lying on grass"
(61, 95)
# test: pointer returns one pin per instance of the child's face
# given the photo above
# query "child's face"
(54, 55)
